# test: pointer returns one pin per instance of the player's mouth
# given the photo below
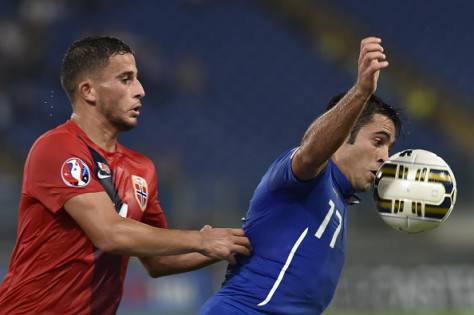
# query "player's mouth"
(136, 110)
(373, 173)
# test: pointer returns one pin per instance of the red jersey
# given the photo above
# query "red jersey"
(55, 268)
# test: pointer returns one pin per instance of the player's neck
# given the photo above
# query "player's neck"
(100, 132)
(343, 164)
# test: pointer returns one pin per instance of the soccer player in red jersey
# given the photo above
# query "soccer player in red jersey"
(88, 203)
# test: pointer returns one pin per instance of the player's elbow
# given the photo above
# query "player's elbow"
(159, 266)
(107, 244)
(303, 161)
(152, 272)
(155, 273)
(163, 271)
(305, 166)
(109, 240)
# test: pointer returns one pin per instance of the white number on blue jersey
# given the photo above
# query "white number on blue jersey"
(324, 224)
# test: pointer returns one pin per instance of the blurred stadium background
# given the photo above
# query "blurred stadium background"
(230, 84)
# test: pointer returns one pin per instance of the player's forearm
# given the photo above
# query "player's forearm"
(133, 238)
(328, 132)
(159, 266)
(108, 231)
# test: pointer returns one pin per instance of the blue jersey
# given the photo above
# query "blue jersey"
(298, 233)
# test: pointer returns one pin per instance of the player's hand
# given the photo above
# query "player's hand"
(371, 60)
(223, 243)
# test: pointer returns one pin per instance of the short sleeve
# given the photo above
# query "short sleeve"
(280, 174)
(58, 168)
(153, 214)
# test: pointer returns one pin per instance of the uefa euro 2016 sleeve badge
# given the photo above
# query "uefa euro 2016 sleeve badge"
(140, 189)
(75, 173)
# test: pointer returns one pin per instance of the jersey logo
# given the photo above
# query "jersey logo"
(75, 173)
(103, 170)
(140, 188)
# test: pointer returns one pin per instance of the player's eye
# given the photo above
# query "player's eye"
(378, 142)
(126, 79)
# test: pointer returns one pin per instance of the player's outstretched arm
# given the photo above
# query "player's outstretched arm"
(328, 132)
(95, 214)
(159, 266)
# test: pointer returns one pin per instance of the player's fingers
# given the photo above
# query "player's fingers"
(243, 241)
(370, 57)
(371, 39)
(237, 232)
(231, 259)
(376, 66)
(371, 47)
(241, 250)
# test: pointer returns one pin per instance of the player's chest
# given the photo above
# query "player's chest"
(327, 216)
(133, 183)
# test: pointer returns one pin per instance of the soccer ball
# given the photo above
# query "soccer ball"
(415, 191)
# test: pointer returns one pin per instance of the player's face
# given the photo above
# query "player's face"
(359, 161)
(118, 92)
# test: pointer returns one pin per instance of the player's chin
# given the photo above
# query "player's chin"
(368, 183)
(127, 124)
(366, 186)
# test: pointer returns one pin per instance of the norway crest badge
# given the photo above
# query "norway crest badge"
(140, 188)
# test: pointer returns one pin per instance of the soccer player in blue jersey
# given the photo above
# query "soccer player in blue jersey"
(297, 216)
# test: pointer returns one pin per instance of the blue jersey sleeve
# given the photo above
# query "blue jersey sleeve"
(280, 175)
(278, 183)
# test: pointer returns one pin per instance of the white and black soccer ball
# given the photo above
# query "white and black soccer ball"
(415, 191)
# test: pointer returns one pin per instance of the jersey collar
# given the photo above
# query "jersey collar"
(74, 127)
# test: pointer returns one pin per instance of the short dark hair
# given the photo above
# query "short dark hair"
(88, 54)
(375, 105)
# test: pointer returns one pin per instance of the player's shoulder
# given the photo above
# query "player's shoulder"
(136, 156)
(284, 156)
(59, 137)
(281, 173)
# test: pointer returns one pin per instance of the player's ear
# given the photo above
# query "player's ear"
(86, 91)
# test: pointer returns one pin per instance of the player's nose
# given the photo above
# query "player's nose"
(383, 155)
(140, 91)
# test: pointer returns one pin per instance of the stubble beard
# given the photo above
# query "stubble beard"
(123, 125)
(119, 122)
